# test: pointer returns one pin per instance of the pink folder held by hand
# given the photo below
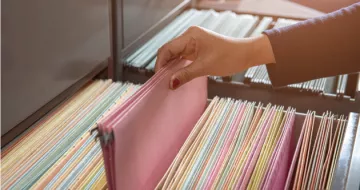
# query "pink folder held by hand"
(149, 129)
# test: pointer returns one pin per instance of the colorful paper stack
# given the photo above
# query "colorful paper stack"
(234, 145)
(317, 153)
(238, 145)
(58, 152)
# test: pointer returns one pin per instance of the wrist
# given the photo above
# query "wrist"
(260, 51)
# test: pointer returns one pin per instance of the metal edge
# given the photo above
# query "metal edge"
(357, 90)
(248, 12)
(37, 115)
(148, 73)
(265, 95)
(353, 181)
(219, 6)
(242, 91)
(116, 38)
(346, 151)
(358, 84)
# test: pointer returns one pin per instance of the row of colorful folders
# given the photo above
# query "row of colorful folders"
(58, 152)
(238, 145)
(235, 144)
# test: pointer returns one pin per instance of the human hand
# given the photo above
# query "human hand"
(213, 54)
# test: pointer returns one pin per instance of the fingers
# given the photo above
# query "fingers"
(185, 75)
(183, 45)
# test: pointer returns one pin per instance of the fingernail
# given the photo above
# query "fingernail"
(175, 83)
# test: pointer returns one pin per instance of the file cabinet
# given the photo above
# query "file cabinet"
(132, 24)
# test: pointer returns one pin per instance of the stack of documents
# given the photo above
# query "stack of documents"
(317, 153)
(141, 137)
(153, 137)
(58, 152)
(226, 23)
(235, 145)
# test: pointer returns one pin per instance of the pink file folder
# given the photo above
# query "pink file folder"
(105, 125)
(294, 161)
(281, 162)
(150, 128)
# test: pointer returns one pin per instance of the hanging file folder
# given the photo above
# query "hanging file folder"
(142, 136)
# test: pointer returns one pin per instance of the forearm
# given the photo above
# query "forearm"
(260, 51)
(314, 48)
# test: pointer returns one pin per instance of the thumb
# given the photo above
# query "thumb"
(184, 75)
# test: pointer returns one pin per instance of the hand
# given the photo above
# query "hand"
(213, 54)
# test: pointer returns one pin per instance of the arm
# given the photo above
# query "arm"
(311, 49)
(316, 48)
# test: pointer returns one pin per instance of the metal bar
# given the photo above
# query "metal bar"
(338, 87)
(346, 152)
(324, 85)
(353, 181)
(343, 84)
(117, 37)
